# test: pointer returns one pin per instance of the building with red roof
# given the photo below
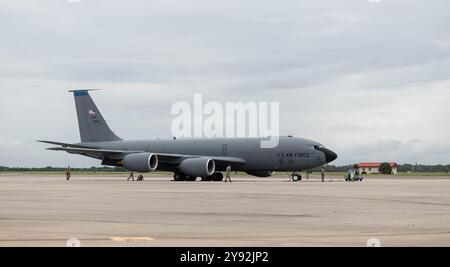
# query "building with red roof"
(373, 167)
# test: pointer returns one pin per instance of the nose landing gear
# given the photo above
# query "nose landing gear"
(295, 176)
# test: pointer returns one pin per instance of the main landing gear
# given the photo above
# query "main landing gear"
(295, 176)
(178, 177)
(216, 177)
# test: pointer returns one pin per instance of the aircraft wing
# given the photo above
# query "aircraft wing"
(174, 159)
(94, 152)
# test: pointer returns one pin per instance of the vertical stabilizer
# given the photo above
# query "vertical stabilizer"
(93, 128)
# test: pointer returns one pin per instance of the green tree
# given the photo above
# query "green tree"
(385, 168)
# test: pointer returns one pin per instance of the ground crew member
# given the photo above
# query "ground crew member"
(67, 173)
(131, 176)
(228, 174)
(322, 174)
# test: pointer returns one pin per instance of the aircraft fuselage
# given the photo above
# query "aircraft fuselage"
(291, 153)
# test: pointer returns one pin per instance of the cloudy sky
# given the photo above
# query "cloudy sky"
(369, 79)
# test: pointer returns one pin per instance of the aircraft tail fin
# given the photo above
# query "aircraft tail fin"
(93, 127)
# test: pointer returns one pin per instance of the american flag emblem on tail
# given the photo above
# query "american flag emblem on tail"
(91, 112)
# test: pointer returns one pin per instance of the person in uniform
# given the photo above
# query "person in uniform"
(67, 171)
(228, 174)
(131, 176)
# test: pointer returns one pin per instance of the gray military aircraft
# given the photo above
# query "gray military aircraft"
(189, 158)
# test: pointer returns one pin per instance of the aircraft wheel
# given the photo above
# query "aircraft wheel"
(207, 178)
(296, 177)
(217, 177)
(179, 177)
(191, 178)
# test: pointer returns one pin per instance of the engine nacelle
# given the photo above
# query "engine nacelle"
(261, 173)
(199, 167)
(140, 162)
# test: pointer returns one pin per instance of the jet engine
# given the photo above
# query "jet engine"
(140, 162)
(199, 167)
(261, 173)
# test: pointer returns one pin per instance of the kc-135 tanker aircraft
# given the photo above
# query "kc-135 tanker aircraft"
(190, 158)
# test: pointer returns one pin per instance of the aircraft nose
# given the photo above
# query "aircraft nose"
(329, 155)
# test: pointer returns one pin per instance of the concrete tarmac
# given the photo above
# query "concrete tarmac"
(107, 210)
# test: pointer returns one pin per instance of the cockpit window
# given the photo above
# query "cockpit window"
(318, 147)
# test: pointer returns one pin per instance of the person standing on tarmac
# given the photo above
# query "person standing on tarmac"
(131, 176)
(67, 171)
(228, 174)
(322, 174)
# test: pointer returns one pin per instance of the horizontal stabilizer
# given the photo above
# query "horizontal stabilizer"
(62, 144)
(92, 150)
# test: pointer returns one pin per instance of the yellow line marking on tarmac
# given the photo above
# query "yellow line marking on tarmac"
(127, 239)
